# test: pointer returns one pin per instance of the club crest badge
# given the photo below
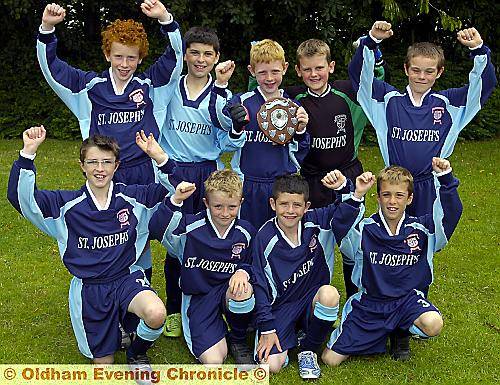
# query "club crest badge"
(237, 249)
(137, 97)
(437, 114)
(340, 120)
(277, 119)
(123, 216)
(412, 242)
(313, 243)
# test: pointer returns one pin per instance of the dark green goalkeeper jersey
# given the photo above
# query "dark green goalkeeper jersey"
(336, 124)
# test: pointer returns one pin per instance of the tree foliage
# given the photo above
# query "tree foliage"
(27, 99)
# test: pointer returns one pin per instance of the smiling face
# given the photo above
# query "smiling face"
(269, 76)
(200, 59)
(290, 208)
(99, 167)
(314, 71)
(223, 208)
(124, 60)
(422, 73)
(393, 199)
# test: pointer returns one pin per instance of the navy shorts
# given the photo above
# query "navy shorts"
(202, 321)
(424, 195)
(197, 173)
(366, 322)
(319, 195)
(138, 172)
(288, 316)
(255, 207)
(96, 309)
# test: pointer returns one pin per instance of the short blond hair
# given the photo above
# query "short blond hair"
(395, 175)
(312, 47)
(266, 51)
(226, 181)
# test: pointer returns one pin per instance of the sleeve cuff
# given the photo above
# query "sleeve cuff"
(378, 41)
(175, 204)
(170, 18)
(438, 174)
(27, 156)
(476, 47)
(342, 185)
(168, 167)
(235, 135)
(43, 32)
(267, 327)
(219, 90)
(164, 162)
(356, 199)
(223, 85)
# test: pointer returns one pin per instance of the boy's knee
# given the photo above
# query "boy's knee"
(106, 360)
(328, 295)
(331, 358)
(154, 315)
(276, 363)
(431, 323)
(214, 358)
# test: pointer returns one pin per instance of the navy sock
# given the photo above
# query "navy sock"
(319, 327)
(172, 270)
(239, 316)
(145, 337)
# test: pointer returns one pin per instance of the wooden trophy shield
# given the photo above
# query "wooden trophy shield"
(277, 119)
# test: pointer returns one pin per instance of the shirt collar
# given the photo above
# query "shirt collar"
(114, 83)
(94, 199)
(223, 236)
(326, 92)
(410, 95)
(398, 227)
(292, 245)
(195, 97)
(262, 94)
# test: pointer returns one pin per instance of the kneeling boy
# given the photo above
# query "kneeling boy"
(293, 263)
(101, 230)
(393, 255)
(213, 247)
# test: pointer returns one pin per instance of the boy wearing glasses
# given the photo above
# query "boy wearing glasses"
(101, 231)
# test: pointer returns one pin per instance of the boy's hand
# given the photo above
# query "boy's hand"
(223, 72)
(302, 118)
(239, 116)
(150, 146)
(333, 180)
(266, 343)
(440, 165)
(381, 30)
(469, 37)
(52, 14)
(33, 138)
(155, 9)
(183, 191)
(238, 283)
(363, 183)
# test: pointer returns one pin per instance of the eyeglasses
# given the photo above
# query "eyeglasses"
(94, 163)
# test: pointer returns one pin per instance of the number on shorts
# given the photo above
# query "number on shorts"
(143, 282)
(423, 302)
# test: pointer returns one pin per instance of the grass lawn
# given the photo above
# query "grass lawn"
(35, 326)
